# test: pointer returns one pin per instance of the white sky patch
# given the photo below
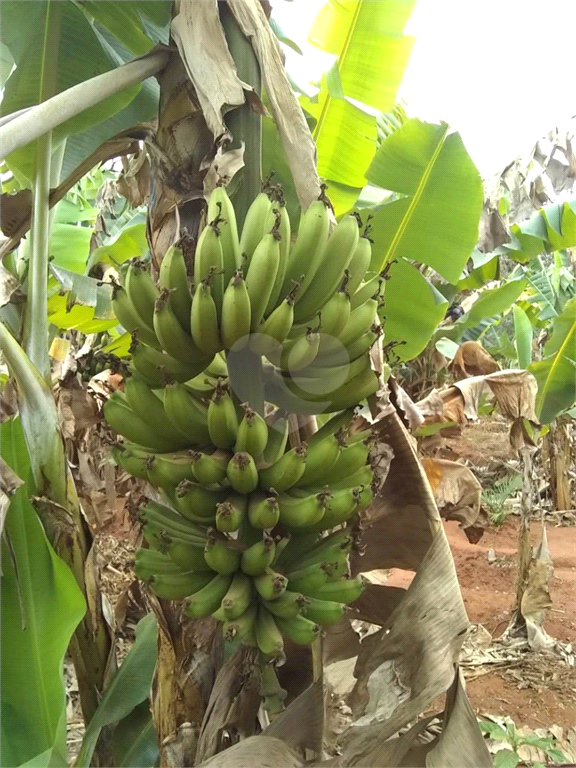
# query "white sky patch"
(500, 72)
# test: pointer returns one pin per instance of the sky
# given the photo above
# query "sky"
(501, 72)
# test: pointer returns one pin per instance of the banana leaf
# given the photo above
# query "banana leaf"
(129, 687)
(367, 38)
(41, 607)
(556, 372)
(436, 219)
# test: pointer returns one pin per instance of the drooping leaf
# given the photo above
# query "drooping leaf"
(556, 372)
(70, 246)
(41, 607)
(437, 222)
(123, 21)
(550, 229)
(130, 243)
(128, 688)
(413, 309)
(53, 41)
(523, 337)
(87, 290)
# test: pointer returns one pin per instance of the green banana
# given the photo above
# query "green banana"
(173, 338)
(362, 476)
(285, 472)
(275, 329)
(242, 473)
(323, 612)
(240, 631)
(207, 600)
(252, 434)
(187, 556)
(220, 208)
(334, 424)
(218, 367)
(258, 557)
(155, 366)
(148, 562)
(204, 319)
(123, 420)
(283, 249)
(141, 290)
(167, 470)
(161, 519)
(300, 353)
(300, 630)
(150, 408)
(287, 605)
(254, 226)
(352, 458)
(236, 313)
(307, 580)
(277, 439)
(361, 320)
(270, 584)
(210, 469)
(209, 262)
(128, 317)
(343, 504)
(134, 465)
(238, 598)
(321, 456)
(222, 418)
(188, 412)
(231, 513)
(263, 511)
(178, 586)
(359, 263)
(174, 276)
(335, 258)
(343, 591)
(307, 250)
(219, 555)
(268, 636)
(308, 550)
(296, 513)
(197, 503)
(335, 314)
(261, 275)
(371, 289)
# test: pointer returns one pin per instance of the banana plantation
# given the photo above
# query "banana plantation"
(247, 328)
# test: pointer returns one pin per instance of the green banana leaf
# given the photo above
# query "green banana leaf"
(522, 337)
(129, 687)
(436, 220)
(552, 228)
(367, 37)
(134, 742)
(55, 46)
(556, 372)
(413, 308)
(41, 607)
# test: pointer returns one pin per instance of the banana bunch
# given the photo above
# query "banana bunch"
(256, 532)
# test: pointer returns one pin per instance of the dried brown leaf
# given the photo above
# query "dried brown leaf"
(515, 392)
(471, 359)
(232, 709)
(377, 603)
(255, 752)
(296, 139)
(536, 600)
(200, 39)
(340, 642)
(301, 724)
(456, 490)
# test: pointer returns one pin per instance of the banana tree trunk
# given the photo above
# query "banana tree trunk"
(558, 457)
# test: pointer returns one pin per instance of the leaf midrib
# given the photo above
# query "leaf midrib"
(399, 234)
